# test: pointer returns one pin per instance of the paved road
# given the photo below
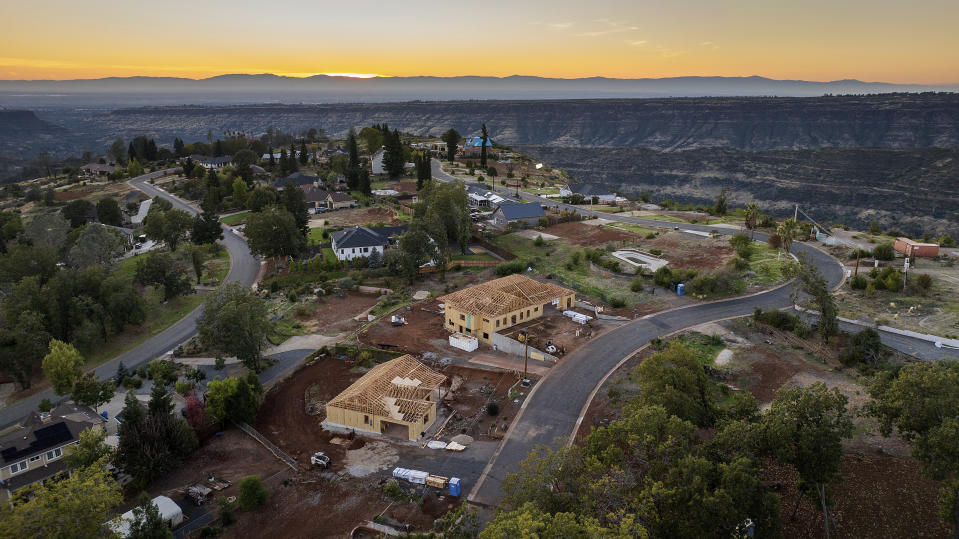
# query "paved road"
(244, 268)
(553, 410)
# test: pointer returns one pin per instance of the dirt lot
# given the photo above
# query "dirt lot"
(332, 315)
(590, 236)
(476, 388)
(232, 456)
(558, 329)
(691, 252)
(424, 331)
(360, 216)
(879, 497)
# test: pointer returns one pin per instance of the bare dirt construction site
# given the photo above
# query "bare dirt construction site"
(690, 251)
(360, 216)
(878, 472)
(332, 314)
(590, 236)
(423, 332)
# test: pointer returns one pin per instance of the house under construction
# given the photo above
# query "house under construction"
(495, 305)
(397, 398)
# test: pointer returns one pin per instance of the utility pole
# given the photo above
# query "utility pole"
(525, 334)
(796, 214)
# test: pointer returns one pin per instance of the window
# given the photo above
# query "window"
(462, 317)
(486, 321)
(485, 335)
(366, 249)
(366, 420)
(527, 313)
(18, 467)
(497, 323)
(35, 458)
(426, 418)
(55, 454)
(451, 321)
(535, 309)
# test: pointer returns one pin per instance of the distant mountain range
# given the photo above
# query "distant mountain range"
(267, 88)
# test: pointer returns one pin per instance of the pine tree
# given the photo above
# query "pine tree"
(304, 156)
(272, 159)
(483, 148)
(353, 150)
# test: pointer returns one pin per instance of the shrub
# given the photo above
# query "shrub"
(719, 283)
(252, 493)
(742, 243)
(131, 382)
(892, 282)
(219, 364)
(884, 251)
(859, 282)
(392, 490)
(777, 319)
(775, 241)
(291, 296)
(655, 252)
(509, 268)
(924, 281)
(45, 405)
(617, 303)
(183, 387)
(539, 241)
(638, 284)
(492, 409)
(226, 510)
(650, 235)
(739, 263)
(162, 371)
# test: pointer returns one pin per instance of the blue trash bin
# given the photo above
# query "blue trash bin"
(681, 289)
(455, 486)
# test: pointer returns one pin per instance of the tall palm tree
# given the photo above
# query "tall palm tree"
(787, 230)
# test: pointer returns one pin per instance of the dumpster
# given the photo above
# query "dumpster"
(454, 486)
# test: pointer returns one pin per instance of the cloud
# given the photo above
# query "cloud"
(667, 52)
(612, 27)
(710, 44)
(555, 25)
(638, 43)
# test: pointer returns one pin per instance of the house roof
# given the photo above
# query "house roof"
(38, 434)
(587, 189)
(222, 160)
(316, 195)
(359, 236)
(397, 389)
(340, 197)
(476, 142)
(503, 295)
(521, 211)
(297, 178)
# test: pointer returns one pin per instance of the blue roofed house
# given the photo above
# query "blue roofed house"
(520, 214)
(473, 146)
(588, 191)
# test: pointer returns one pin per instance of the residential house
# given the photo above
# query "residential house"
(216, 163)
(472, 147)
(376, 162)
(361, 241)
(397, 399)
(517, 214)
(92, 170)
(34, 452)
(495, 305)
(303, 181)
(321, 199)
(588, 191)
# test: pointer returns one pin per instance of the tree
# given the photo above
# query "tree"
(206, 229)
(920, 402)
(96, 245)
(252, 493)
(239, 192)
(134, 168)
(155, 442)
(352, 150)
(884, 251)
(259, 198)
(304, 155)
(451, 138)
(814, 284)
(294, 200)
(27, 344)
(25, 261)
(158, 269)
(90, 448)
(62, 366)
(804, 428)
(198, 257)
(274, 233)
(787, 232)
(233, 399)
(88, 391)
(108, 212)
(483, 147)
(529, 521)
(676, 380)
(76, 506)
(47, 230)
(235, 321)
(751, 215)
(243, 162)
(415, 249)
(147, 522)
(169, 226)
(394, 161)
(720, 208)
(78, 212)
(118, 151)
(372, 138)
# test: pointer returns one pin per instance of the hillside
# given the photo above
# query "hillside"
(914, 190)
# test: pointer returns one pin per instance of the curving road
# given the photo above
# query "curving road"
(553, 410)
(244, 268)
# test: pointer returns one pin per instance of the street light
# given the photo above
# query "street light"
(525, 333)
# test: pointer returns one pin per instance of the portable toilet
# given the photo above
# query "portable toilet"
(455, 486)
(681, 289)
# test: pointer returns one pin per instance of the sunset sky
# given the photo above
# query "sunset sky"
(872, 40)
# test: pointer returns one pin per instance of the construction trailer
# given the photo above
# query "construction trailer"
(496, 305)
(908, 247)
(397, 399)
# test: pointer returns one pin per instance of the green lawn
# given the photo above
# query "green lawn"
(235, 219)
(705, 347)
(767, 263)
(328, 253)
(316, 235)
(217, 268)
(481, 256)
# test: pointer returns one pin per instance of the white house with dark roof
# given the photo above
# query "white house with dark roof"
(216, 163)
(520, 214)
(588, 191)
(361, 241)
